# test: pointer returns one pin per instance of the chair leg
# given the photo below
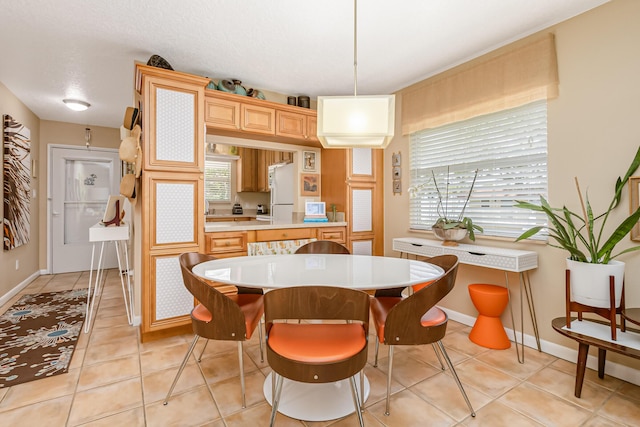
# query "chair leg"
(362, 389)
(240, 360)
(455, 376)
(375, 360)
(386, 410)
(260, 337)
(435, 350)
(275, 400)
(184, 363)
(356, 401)
(203, 349)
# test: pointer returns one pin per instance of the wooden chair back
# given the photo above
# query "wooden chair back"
(228, 321)
(316, 303)
(322, 247)
(403, 324)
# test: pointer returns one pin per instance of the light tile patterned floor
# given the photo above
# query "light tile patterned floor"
(115, 380)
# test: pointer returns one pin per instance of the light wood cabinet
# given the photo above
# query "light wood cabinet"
(336, 234)
(246, 170)
(226, 244)
(285, 234)
(252, 170)
(241, 116)
(352, 180)
(238, 116)
(262, 172)
(168, 216)
(296, 125)
(222, 113)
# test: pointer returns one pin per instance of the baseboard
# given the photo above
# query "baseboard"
(137, 320)
(613, 369)
(13, 292)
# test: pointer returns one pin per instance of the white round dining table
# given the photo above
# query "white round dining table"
(362, 272)
(317, 402)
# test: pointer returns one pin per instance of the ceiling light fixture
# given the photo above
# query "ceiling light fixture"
(76, 105)
(356, 121)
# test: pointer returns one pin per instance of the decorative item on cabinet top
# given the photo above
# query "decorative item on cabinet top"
(235, 86)
(159, 62)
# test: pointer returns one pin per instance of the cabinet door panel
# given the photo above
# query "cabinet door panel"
(258, 119)
(175, 131)
(312, 128)
(171, 297)
(222, 114)
(290, 124)
(175, 212)
(361, 210)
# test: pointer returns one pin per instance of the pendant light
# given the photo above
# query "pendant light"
(356, 121)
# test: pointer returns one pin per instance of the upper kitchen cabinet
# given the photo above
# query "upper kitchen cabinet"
(236, 116)
(173, 121)
(296, 125)
(222, 113)
(245, 117)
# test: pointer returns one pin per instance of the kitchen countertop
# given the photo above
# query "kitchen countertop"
(265, 225)
(231, 216)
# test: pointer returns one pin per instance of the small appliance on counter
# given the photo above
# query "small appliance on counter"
(236, 209)
(261, 210)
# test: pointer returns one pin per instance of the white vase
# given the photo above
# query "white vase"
(590, 282)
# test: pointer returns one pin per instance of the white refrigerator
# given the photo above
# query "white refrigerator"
(281, 183)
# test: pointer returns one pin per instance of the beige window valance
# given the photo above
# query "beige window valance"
(514, 75)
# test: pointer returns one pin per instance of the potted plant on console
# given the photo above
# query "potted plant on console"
(592, 271)
(449, 227)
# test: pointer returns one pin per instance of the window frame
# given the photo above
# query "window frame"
(212, 179)
(454, 151)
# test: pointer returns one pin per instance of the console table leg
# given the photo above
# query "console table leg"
(513, 321)
(602, 358)
(524, 277)
(583, 350)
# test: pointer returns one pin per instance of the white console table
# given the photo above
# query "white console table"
(507, 260)
(119, 235)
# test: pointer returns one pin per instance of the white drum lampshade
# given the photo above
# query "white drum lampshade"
(356, 121)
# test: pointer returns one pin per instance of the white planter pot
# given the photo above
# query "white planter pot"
(590, 282)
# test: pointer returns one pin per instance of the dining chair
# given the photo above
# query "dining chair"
(318, 351)
(415, 320)
(220, 316)
(322, 247)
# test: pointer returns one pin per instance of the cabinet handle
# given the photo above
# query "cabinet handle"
(284, 234)
(227, 243)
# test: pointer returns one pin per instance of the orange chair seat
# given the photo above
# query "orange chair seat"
(419, 286)
(250, 304)
(317, 343)
(380, 307)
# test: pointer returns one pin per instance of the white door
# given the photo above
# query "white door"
(80, 182)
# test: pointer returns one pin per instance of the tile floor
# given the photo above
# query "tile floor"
(115, 380)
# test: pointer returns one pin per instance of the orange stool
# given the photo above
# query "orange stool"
(490, 301)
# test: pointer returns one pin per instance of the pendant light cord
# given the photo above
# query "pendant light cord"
(355, 47)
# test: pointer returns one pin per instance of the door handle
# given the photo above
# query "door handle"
(54, 213)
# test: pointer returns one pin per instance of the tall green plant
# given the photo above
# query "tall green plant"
(582, 235)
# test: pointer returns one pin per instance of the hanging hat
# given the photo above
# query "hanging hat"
(128, 187)
(130, 150)
(130, 117)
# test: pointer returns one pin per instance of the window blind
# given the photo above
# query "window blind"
(217, 179)
(509, 150)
